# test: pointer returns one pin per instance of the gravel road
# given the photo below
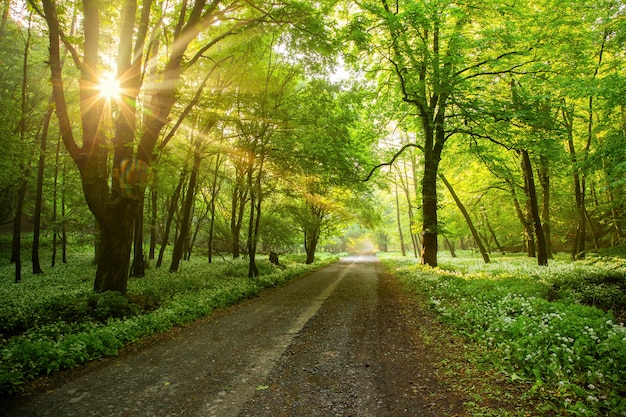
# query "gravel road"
(337, 342)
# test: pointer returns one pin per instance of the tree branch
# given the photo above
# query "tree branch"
(393, 159)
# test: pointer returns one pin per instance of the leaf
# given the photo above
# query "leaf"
(262, 387)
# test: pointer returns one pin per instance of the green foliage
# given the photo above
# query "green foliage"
(532, 325)
(54, 321)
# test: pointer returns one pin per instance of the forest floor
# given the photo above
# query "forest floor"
(347, 340)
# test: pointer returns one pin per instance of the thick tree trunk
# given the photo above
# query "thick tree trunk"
(430, 228)
(311, 237)
(542, 253)
(467, 218)
(116, 239)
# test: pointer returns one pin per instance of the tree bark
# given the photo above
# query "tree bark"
(578, 248)
(153, 221)
(170, 216)
(450, 246)
(494, 236)
(239, 198)
(398, 220)
(16, 248)
(185, 220)
(542, 253)
(55, 228)
(430, 229)
(215, 188)
(412, 223)
(139, 260)
(467, 218)
(544, 180)
(39, 194)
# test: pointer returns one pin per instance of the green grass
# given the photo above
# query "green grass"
(55, 321)
(555, 327)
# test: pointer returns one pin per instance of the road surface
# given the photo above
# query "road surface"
(333, 343)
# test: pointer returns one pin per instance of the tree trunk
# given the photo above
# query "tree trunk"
(407, 193)
(544, 180)
(398, 220)
(578, 249)
(16, 255)
(39, 194)
(170, 216)
(139, 260)
(215, 188)
(430, 228)
(256, 199)
(63, 213)
(311, 238)
(467, 218)
(153, 221)
(240, 196)
(542, 253)
(194, 235)
(493, 235)
(529, 240)
(116, 239)
(179, 245)
(450, 246)
(55, 228)
(16, 248)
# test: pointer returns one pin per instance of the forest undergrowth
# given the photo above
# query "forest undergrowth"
(55, 321)
(559, 329)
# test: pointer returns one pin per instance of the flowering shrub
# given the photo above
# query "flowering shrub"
(55, 321)
(532, 324)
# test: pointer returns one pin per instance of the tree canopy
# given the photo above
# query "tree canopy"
(245, 127)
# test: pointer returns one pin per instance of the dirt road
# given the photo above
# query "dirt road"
(334, 343)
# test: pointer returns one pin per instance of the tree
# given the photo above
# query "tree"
(439, 51)
(114, 195)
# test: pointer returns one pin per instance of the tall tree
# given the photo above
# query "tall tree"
(114, 199)
(437, 50)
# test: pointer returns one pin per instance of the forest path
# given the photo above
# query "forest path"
(335, 342)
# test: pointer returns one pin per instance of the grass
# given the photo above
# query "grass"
(55, 321)
(556, 329)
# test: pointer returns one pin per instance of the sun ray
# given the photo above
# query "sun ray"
(109, 86)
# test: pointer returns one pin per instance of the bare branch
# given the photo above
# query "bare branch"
(393, 159)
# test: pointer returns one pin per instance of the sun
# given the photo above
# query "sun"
(109, 86)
